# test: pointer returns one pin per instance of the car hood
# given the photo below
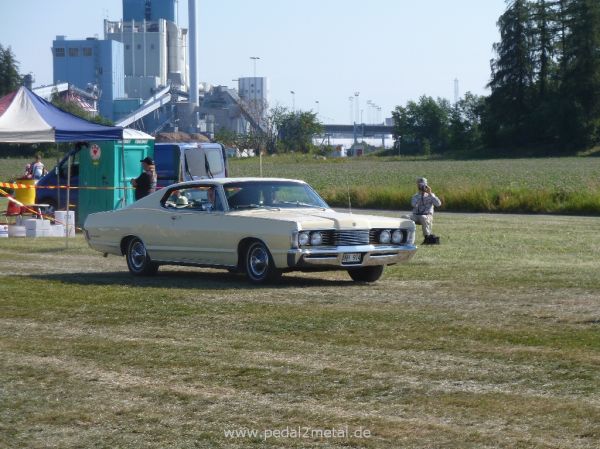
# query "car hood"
(312, 218)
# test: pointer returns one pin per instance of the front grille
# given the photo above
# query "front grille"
(350, 238)
(356, 237)
(374, 236)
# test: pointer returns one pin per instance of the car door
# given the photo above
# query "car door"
(194, 234)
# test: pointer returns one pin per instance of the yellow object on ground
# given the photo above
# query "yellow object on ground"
(26, 195)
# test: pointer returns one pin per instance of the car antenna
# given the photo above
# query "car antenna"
(349, 202)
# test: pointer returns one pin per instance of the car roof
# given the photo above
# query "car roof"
(223, 181)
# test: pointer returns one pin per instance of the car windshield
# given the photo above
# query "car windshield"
(272, 194)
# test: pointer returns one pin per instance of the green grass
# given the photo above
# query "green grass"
(551, 185)
(491, 339)
(12, 168)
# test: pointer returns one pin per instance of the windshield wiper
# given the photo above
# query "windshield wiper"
(255, 206)
(300, 204)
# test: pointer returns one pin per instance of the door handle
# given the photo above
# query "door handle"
(175, 217)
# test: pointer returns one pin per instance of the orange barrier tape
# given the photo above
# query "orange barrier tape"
(14, 185)
(33, 211)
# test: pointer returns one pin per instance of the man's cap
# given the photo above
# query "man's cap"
(148, 160)
(421, 180)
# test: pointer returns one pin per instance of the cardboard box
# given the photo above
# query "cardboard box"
(37, 232)
(57, 230)
(36, 224)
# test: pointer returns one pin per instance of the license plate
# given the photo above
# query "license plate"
(351, 258)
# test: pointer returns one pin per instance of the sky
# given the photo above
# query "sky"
(325, 51)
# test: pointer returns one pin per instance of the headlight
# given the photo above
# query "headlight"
(303, 238)
(316, 239)
(397, 236)
(384, 236)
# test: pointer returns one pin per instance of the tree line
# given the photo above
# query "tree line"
(284, 131)
(545, 89)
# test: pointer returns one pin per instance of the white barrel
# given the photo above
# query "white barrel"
(61, 219)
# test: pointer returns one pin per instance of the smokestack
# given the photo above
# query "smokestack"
(192, 19)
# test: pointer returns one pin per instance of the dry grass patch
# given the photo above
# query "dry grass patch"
(489, 340)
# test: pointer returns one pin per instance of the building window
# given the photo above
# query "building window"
(59, 52)
(87, 51)
(151, 46)
(74, 52)
(127, 47)
(139, 46)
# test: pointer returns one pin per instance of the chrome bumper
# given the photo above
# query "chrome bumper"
(333, 256)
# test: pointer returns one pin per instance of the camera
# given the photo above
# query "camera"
(422, 187)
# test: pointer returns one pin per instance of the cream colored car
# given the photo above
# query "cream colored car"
(259, 226)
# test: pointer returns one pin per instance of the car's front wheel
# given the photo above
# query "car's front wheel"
(138, 260)
(258, 264)
(366, 274)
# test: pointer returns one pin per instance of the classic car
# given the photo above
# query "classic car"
(259, 226)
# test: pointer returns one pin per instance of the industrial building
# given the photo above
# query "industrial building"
(145, 75)
(92, 65)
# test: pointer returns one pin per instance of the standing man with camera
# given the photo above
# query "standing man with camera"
(423, 203)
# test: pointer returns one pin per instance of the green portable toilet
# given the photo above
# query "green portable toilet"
(105, 169)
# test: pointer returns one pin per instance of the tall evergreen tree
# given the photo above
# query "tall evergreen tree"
(544, 44)
(544, 122)
(512, 78)
(10, 80)
(580, 95)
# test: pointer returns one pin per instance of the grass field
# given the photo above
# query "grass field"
(547, 185)
(552, 185)
(490, 340)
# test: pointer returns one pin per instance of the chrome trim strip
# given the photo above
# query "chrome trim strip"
(332, 256)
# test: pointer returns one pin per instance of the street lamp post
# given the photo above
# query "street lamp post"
(293, 100)
(317, 103)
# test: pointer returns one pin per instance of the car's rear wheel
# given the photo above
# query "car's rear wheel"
(138, 260)
(366, 274)
(258, 264)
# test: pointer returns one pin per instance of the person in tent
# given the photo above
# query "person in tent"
(37, 168)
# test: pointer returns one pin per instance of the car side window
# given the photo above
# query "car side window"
(175, 199)
(197, 198)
